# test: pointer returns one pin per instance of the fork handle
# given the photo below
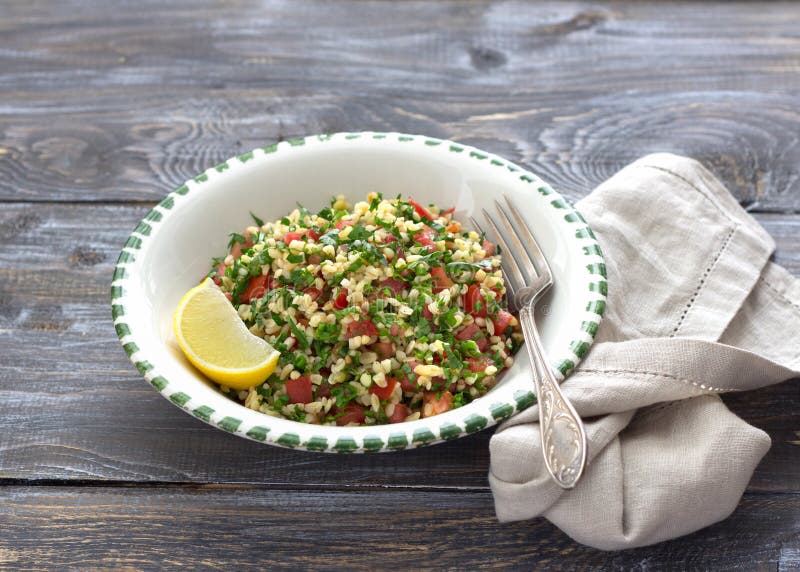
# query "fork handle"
(562, 432)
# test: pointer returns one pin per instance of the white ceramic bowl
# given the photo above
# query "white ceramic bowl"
(171, 249)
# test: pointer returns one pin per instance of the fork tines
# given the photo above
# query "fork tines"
(523, 263)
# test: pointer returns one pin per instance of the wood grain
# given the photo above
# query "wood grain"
(72, 407)
(105, 108)
(231, 528)
(122, 107)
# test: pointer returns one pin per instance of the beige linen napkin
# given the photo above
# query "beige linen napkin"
(695, 308)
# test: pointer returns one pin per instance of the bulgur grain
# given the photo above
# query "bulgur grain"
(368, 309)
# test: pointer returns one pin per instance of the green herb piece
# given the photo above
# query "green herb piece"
(328, 333)
(261, 259)
(449, 319)
(461, 272)
(359, 232)
(258, 221)
(454, 362)
(460, 399)
(300, 335)
(470, 348)
(298, 414)
(373, 205)
(278, 344)
(236, 238)
(265, 390)
(330, 238)
(323, 352)
(423, 329)
(299, 277)
(239, 286)
(352, 268)
(343, 394)
(299, 361)
(304, 214)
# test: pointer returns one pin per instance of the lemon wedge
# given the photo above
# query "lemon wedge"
(216, 341)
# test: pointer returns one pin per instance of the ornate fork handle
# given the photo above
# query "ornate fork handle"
(563, 436)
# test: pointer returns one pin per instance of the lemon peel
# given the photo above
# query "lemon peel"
(216, 341)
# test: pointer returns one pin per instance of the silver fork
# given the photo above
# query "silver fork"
(527, 278)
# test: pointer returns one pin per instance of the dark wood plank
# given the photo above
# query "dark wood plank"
(229, 528)
(116, 106)
(121, 106)
(73, 408)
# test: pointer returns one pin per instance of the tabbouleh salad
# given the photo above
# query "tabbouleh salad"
(381, 313)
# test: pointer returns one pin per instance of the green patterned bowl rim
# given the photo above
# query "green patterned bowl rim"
(285, 433)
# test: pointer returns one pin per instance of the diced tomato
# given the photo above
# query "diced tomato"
(474, 303)
(488, 247)
(229, 296)
(396, 286)
(314, 258)
(471, 298)
(434, 403)
(363, 327)
(299, 390)
(479, 363)
(236, 249)
(401, 411)
(406, 383)
(425, 238)
(390, 238)
(313, 292)
(384, 392)
(323, 390)
(451, 210)
(341, 300)
(343, 223)
(385, 350)
(501, 321)
(396, 330)
(468, 332)
(290, 236)
(441, 281)
(351, 413)
(299, 234)
(482, 343)
(256, 288)
(426, 313)
(420, 210)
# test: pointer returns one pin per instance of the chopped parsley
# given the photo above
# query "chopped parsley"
(381, 295)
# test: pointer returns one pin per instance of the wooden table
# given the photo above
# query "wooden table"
(105, 109)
